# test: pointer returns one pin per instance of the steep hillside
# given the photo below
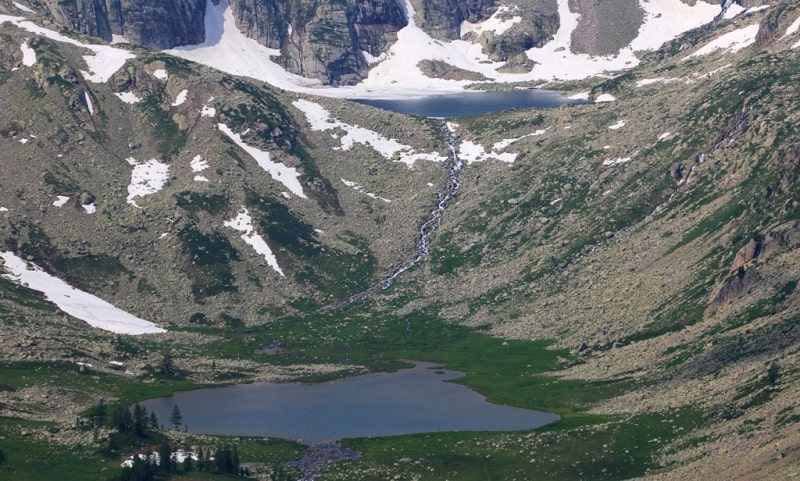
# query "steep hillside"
(149, 189)
(630, 263)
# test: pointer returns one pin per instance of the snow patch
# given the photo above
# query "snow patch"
(23, 7)
(161, 74)
(207, 111)
(604, 98)
(82, 305)
(89, 208)
(89, 104)
(28, 55)
(793, 28)
(201, 178)
(360, 188)
(580, 96)
(102, 65)
(390, 149)
(493, 24)
(23, 141)
(198, 164)
(62, 201)
(730, 42)
(181, 98)
(117, 39)
(3, 209)
(128, 97)
(288, 176)
(471, 152)
(617, 161)
(664, 136)
(506, 142)
(244, 224)
(146, 178)
(617, 126)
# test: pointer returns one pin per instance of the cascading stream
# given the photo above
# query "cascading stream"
(426, 230)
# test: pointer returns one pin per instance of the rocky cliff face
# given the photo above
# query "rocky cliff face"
(443, 18)
(154, 24)
(322, 40)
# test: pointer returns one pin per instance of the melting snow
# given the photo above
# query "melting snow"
(731, 42)
(580, 96)
(472, 152)
(128, 97)
(391, 149)
(618, 125)
(360, 188)
(181, 98)
(397, 75)
(288, 176)
(102, 65)
(89, 104)
(62, 201)
(506, 142)
(146, 178)
(617, 161)
(493, 24)
(793, 28)
(28, 55)
(161, 74)
(82, 305)
(207, 111)
(604, 98)
(244, 223)
(23, 7)
(198, 164)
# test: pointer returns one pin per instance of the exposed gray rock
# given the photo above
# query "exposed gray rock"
(324, 40)
(156, 24)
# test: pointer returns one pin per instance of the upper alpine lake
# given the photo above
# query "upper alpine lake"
(408, 401)
(471, 102)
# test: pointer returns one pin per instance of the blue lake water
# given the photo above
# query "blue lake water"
(385, 404)
(471, 103)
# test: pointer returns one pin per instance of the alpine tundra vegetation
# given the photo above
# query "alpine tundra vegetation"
(188, 198)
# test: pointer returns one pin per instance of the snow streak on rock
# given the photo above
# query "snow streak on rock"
(390, 149)
(288, 176)
(102, 65)
(244, 223)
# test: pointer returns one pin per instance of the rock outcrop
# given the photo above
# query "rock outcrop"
(442, 18)
(322, 40)
(784, 237)
(156, 24)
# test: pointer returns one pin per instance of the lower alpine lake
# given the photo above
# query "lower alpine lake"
(408, 401)
(470, 102)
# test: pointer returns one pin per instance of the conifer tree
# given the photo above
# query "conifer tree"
(176, 417)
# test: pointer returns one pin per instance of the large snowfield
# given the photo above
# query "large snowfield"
(396, 74)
